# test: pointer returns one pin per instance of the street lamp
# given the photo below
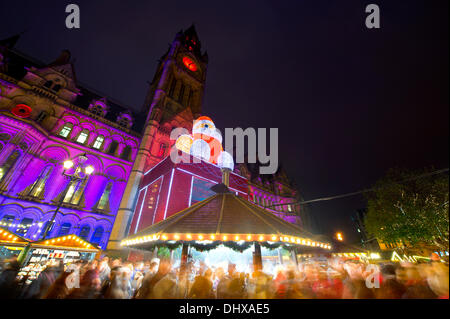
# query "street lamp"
(339, 236)
(80, 173)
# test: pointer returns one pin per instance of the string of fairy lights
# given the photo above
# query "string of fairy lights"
(208, 238)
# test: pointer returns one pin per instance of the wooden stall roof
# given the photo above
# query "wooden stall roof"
(225, 214)
(67, 242)
(8, 238)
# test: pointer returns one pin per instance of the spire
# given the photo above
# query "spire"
(63, 59)
(11, 41)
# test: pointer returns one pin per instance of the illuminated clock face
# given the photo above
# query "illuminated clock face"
(21, 110)
(190, 64)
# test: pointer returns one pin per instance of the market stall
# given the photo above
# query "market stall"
(225, 220)
(11, 244)
(66, 249)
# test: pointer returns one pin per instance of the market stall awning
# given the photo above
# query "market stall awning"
(8, 238)
(67, 242)
(224, 217)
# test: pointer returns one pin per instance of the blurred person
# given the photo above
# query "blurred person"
(89, 287)
(390, 287)
(8, 281)
(438, 279)
(223, 284)
(202, 286)
(119, 283)
(39, 287)
(59, 289)
(150, 280)
(416, 286)
(104, 269)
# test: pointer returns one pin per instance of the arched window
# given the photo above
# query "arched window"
(56, 88)
(113, 147)
(65, 131)
(83, 136)
(190, 96)
(7, 221)
(172, 87)
(24, 225)
(98, 142)
(75, 192)
(42, 116)
(97, 235)
(84, 232)
(103, 202)
(64, 229)
(126, 153)
(124, 122)
(181, 94)
(98, 109)
(39, 184)
(9, 163)
(42, 230)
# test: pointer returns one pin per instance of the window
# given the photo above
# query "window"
(124, 122)
(25, 224)
(41, 117)
(65, 131)
(83, 136)
(56, 88)
(74, 192)
(181, 94)
(97, 110)
(9, 163)
(126, 153)
(99, 142)
(162, 149)
(84, 232)
(172, 87)
(7, 221)
(103, 202)
(113, 147)
(45, 226)
(39, 184)
(65, 229)
(189, 101)
(97, 235)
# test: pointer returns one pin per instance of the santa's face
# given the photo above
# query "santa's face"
(206, 127)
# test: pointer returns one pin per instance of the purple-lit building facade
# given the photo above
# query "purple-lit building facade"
(46, 117)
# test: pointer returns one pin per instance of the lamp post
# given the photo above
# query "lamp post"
(339, 236)
(81, 173)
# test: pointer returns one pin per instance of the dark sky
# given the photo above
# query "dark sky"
(349, 102)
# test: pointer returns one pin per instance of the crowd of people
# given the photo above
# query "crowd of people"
(160, 279)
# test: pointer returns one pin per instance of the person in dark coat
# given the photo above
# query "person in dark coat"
(8, 280)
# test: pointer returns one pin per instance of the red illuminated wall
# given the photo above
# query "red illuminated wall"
(174, 184)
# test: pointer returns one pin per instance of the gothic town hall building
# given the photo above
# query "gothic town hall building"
(47, 117)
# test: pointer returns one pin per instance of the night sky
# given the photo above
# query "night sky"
(349, 102)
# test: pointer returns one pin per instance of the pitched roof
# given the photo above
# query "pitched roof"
(226, 214)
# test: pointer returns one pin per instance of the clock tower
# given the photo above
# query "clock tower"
(174, 99)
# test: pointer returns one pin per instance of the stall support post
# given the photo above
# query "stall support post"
(257, 258)
(155, 252)
(171, 255)
(184, 255)
(280, 256)
(23, 254)
(294, 256)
